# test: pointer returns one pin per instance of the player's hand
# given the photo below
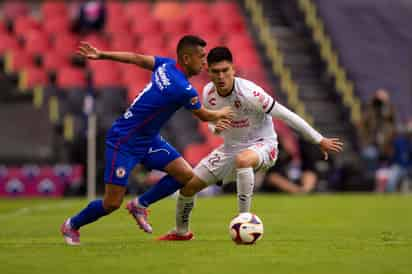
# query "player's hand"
(221, 125)
(87, 51)
(226, 113)
(330, 145)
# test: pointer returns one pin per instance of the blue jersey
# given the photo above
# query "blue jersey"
(168, 90)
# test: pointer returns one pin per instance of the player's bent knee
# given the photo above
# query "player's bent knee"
(111, 206)
(188, 191)
(242, 162)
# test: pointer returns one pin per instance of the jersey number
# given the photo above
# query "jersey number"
(128, 113)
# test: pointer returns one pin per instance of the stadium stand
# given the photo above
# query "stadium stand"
(41, 35)
(49, 38)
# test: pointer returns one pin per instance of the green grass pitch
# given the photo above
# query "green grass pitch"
(308, 234)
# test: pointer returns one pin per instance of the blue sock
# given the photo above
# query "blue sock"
(165, 187)
(91, 213)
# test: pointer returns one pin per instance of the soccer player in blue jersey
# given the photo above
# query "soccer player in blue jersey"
(134, 137)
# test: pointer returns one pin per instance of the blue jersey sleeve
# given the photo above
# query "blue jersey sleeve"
(160, 61)
(191, 98)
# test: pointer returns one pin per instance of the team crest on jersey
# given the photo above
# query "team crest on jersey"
(194, 100)
(212, 101)
(237, 104)
(120, 172)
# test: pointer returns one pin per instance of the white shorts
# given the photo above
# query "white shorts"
(219, 165)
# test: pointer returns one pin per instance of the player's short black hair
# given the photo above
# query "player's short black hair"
(189, 41)
(219, 54)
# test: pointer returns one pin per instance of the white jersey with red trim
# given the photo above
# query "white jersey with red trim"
(252, 122)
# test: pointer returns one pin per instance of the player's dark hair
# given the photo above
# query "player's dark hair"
(219, 54)
(189, 41)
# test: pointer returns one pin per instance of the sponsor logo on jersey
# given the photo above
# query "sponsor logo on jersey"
(240, 123)
(151, 150)
(194, 100)
(161, 79)
(189, 87)
(212, 101)
(120, 172)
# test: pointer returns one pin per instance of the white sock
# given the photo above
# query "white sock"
(184, 207)
(245, 180)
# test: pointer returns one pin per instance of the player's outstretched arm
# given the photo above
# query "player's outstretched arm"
(143, 61)
(207, 115)
(326, 144)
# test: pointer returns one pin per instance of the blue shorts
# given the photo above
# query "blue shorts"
(120, 162)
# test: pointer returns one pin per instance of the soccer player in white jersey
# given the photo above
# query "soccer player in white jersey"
(250, 141)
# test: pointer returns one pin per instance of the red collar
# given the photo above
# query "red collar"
(179, 67)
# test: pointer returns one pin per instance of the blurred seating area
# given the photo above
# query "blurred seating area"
(38, 41)
(307, 48)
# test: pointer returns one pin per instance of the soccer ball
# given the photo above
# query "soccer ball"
(246, 228)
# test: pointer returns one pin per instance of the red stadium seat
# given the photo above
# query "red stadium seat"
(36, 42)
(196, 8)
(233, 24)
(57, 25)
(66, 43)
(134, 89)
(122, 42)
(214, 140)
(138, 10)
(167, 10)
(69, 77)
(53, 60)
(177, 25)
(199, 82)
(145, 27)
(32, 77)
(152, 44)
(24, 24)
(53, 9)
(8, 42)
(131, 74)
(203, 129)
(97, 41)
(239, 41)
(117, 25)
(193, 153)
(247, 59)
(204, 25)
(19, 59)
(13, 9)
(115, 9)
(106, 75)
(223, 8)
(3, 28)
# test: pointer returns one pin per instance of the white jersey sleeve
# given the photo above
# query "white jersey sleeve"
(257, 98)
(295, 121)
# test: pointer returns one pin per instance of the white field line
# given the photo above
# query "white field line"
(40, 208)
